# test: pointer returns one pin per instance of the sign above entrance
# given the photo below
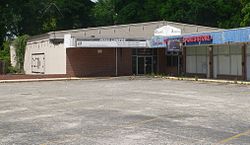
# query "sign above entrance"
(111, 43)
(174, 45)
(201, 39)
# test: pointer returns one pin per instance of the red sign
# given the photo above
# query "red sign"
(193, 39)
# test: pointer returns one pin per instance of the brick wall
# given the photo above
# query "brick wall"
(162, 64)
(124, 62)
(86, 62)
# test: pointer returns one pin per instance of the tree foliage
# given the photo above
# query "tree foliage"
(34, 17)
(38, 16)
(5, 55)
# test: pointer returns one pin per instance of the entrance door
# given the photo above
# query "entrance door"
(141, 65)
(145, 65)
(38, 63)
(148, 65)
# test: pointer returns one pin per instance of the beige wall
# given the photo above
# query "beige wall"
(55, 56)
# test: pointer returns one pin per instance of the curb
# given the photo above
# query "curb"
(54, 79)
(37, 80)
(108, 78)
(208, 80)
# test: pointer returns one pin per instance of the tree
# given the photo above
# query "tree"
(5, 55)
(229, 13)
(9, 21)
(105, 13)
(246, 13)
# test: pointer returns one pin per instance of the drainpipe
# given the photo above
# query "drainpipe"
(116, 64)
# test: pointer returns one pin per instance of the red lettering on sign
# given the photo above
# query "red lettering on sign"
(202, 38)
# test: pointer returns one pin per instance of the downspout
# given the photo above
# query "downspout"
(116, 63)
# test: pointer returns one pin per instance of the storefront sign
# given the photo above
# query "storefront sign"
(174, 45)
(198, 39)
(158, 42)
(111, 43)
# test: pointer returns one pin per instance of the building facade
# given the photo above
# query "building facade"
(105, 51)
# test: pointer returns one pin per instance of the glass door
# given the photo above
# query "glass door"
(145, 65)
(148, 65)
(141, 65)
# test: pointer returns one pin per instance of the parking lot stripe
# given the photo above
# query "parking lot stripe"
(246, 133)
(140, 122)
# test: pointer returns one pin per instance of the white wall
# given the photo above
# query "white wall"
(55, 56)
(227, 60)
(197, 60)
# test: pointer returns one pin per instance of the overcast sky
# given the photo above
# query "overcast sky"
(94, 0)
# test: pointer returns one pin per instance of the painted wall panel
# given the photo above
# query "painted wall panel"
(224, 65)
(236, 67)
(191, 64)
(191, 50)
(202, 64)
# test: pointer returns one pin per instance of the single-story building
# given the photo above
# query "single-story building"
(105, 51)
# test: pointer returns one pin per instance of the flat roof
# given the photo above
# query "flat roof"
(135, 31)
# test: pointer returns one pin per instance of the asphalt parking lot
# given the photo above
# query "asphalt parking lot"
(122, 111)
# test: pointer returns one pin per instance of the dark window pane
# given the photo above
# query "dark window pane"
(134, 51)
(134, 64)
(175, 61)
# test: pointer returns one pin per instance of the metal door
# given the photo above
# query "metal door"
(38, 63)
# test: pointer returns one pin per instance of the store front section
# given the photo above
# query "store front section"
(144, 61)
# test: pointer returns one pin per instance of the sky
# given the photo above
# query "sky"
(94, 0)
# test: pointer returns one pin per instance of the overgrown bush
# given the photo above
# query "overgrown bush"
(5, 56)
(20, 44)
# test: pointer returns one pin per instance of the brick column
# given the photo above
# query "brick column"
(211, 61)
(184, 60)
(244, 62)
